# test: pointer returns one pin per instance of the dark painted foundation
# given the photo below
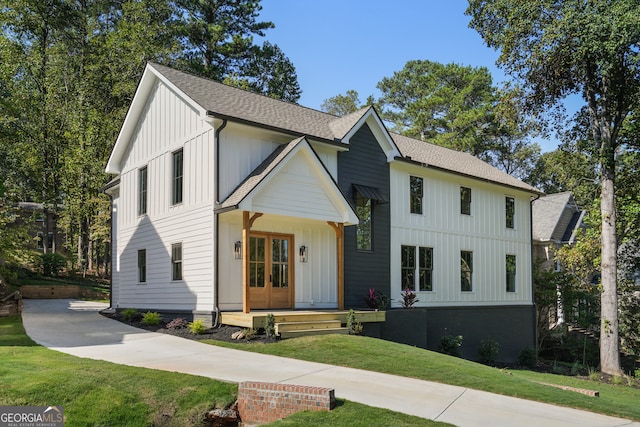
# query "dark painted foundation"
(513, 327)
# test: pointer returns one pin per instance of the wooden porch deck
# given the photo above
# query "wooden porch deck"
(256, 319)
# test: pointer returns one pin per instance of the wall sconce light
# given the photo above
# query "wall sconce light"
(303, 253)
(237, 250)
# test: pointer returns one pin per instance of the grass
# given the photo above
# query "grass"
(97, 393)
(399, 359)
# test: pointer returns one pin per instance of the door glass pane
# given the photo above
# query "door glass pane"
(256, 262)
(279, 260)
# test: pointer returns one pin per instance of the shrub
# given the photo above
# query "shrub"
(353, 326)
(197, 327)
(177, 323)
(52, 264)
(151, 318)
(450, 345)
(270, 325)
(408, 298)
(528, 358)
(488, 351)
(129, 314)
(377, 299)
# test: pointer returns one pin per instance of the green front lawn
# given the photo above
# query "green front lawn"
(399, 359)
(97, 393)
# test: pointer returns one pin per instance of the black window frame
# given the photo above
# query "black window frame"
(364, 229)
(408, 267)
(510, 211)
(511, 269)
(425, 269)
(143, 186)
(466, 271)
(465, 200)
(176, 261)
(177, 180)
(142, 265)
(416, 194)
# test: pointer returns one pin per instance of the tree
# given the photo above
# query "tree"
(586, 47)
(217, 35)
(341, 105)
(449, 105)
(271, 73)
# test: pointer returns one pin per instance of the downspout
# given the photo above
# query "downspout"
(533, 298)
(111, 253)
(216, 226)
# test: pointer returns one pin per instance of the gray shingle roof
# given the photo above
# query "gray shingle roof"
(455, 161)
(229, 102)
(552, 218)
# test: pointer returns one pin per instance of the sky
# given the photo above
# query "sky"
(338, 45)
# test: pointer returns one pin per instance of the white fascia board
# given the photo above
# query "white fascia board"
(149, 79)
(327, 182)
(380, 132)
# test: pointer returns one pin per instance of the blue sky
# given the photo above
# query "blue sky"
(337, 45)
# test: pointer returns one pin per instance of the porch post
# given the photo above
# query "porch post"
(339, 229)
(247, 222)
(246, 305)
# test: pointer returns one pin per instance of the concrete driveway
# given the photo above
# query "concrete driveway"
(76, 327)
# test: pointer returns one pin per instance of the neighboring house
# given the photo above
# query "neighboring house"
(226, 200)
(43, 227)
(557, 219)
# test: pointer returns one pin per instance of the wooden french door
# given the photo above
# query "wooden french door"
(270, 270)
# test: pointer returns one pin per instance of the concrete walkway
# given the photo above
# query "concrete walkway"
(76, 327)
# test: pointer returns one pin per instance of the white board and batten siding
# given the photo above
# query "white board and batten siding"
(315, 280)
(442, 227)
(167, 124)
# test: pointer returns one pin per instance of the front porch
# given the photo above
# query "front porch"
(292, 323)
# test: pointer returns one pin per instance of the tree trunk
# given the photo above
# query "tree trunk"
(609, 342)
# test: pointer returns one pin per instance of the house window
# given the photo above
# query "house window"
(511, 273)
(466, 271)
(510, 210)
(423, 270)
(142, 191)
(465, 201)
(40, 240)
(142, 265)
(408, 267)
(415, 190)
(363, 229)
(176, 261)
(425, 276)
(178, 172)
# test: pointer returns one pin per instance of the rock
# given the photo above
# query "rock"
(238, 335)
(223, 417)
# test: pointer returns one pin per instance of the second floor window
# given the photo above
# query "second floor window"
(177, 181)
(416, 193)
(364, 227)
(510, 210)
(142, 191)
(465, 201)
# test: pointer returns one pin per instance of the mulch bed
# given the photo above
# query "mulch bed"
(221, 333)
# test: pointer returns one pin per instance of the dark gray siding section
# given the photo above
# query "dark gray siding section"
(366, 164)
(513, 327)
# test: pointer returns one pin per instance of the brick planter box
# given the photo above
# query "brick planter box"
(261, 403)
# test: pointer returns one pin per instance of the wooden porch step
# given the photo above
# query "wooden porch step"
(295, 326)
(306, 332)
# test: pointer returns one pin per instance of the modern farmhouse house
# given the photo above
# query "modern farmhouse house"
(225, 200)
